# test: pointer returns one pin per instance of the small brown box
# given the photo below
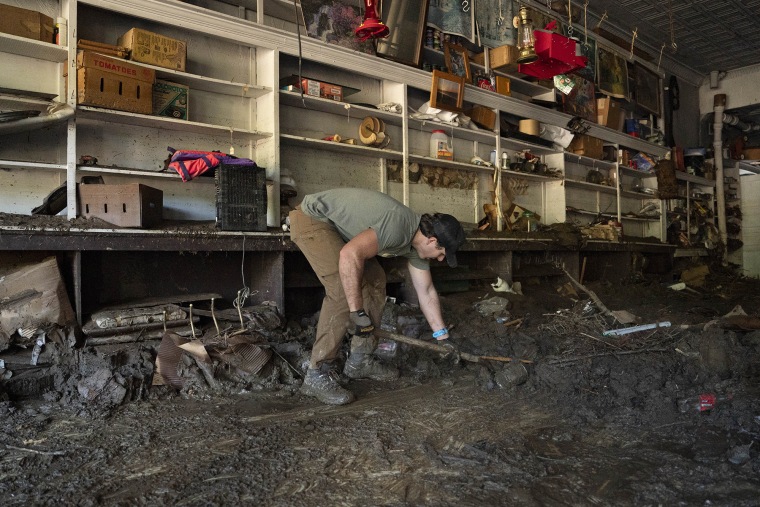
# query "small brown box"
(503, 86)
(26, 23)
(155, 49)
(501, 58)
(131, 205)
(483, 117)
(587, 146)
(609, 113)
(113, 83)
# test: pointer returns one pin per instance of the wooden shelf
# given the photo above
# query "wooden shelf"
(449, 164)
(160, 122)
(588, 162)
(354, 149)
(16, 164)
(680, 175)
(336, 107)
(481, 136)
(591, 186)
(33, 48)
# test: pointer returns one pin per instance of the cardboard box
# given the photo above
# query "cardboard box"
(483, 117)
(501, 58)
(170, 99)
(130, 205)
(503, 86)
(115, 84)
(26, 23)
(587, 146)
(317, 89)
(155, 49)
(609, 113)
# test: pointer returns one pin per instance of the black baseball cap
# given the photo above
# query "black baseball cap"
(449, 233)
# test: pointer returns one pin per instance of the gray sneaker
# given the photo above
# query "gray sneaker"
(323, 385)
(360, 366)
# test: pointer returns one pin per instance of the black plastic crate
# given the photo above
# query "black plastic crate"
(241, 198)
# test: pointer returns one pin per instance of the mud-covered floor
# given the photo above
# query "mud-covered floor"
(597, 422)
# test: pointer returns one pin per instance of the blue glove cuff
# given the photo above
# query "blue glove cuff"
(440, 333)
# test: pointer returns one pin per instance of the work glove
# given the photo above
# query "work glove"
(362, 324)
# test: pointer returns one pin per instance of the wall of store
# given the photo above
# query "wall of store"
(740, 87)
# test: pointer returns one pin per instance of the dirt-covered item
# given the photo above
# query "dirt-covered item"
(591, 419)
(322, 383)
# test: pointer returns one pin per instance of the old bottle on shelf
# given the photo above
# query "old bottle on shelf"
(703, 402)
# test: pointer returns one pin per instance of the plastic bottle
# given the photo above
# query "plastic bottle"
(703, 402)
(439, 145)
(61, 31)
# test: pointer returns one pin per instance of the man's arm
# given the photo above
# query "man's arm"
(428, 296)
(351, 266)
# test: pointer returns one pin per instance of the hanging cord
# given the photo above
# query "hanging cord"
(585, 21)
(300, 51)
(673, 44)
(245, 292)
(633, 39)
(659, 61)
(604, 16)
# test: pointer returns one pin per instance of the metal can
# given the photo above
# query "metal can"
(511, 375)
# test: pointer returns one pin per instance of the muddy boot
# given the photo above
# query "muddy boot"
(362, 364)
(323, 385)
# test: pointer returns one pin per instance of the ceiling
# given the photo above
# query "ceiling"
(710, 35)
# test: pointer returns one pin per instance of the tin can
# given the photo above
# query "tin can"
(511, 375)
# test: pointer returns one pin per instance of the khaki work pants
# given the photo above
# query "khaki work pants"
(321, 244)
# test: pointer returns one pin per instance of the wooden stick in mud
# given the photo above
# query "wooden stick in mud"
(441, 349)
(594, 297)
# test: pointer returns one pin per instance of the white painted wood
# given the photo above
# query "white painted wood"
(750, 206)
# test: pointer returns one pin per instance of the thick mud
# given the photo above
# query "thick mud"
(597, 421)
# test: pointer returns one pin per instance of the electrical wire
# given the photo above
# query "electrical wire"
(245, 292)
(300, 50)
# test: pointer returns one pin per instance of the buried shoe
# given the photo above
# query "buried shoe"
(359, 366)
(323, 385)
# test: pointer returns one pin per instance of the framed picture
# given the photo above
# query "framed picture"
(457, 61)
(647, 89)
(613, 74)
(447, 91)
(406, 21)
(334, 22)
(581, 101)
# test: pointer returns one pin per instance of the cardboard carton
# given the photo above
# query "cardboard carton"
(115, 84)
(501, 58)
(155, 49)
(609, 113)
(26, 23)
(483, 117)
(317, 89)
(587, 146)
(170, 99)
(131, 205)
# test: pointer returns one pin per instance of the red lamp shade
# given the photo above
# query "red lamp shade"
(371, 27)
(556, 55)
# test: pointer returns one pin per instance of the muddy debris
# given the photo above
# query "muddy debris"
(668, 416)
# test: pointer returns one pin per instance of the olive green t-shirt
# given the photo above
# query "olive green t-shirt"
(353, 210)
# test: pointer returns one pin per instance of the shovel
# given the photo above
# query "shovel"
(441, 349)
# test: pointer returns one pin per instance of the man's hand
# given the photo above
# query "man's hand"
(362, 324)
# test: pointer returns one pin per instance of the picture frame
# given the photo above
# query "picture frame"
(612, 70)
(457, 61)
(647, 89)
(447, 91)
(334, 22)
(406, 21)
(581, 101)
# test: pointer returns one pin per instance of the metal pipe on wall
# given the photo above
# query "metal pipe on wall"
(734, 121)
(719, 105)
